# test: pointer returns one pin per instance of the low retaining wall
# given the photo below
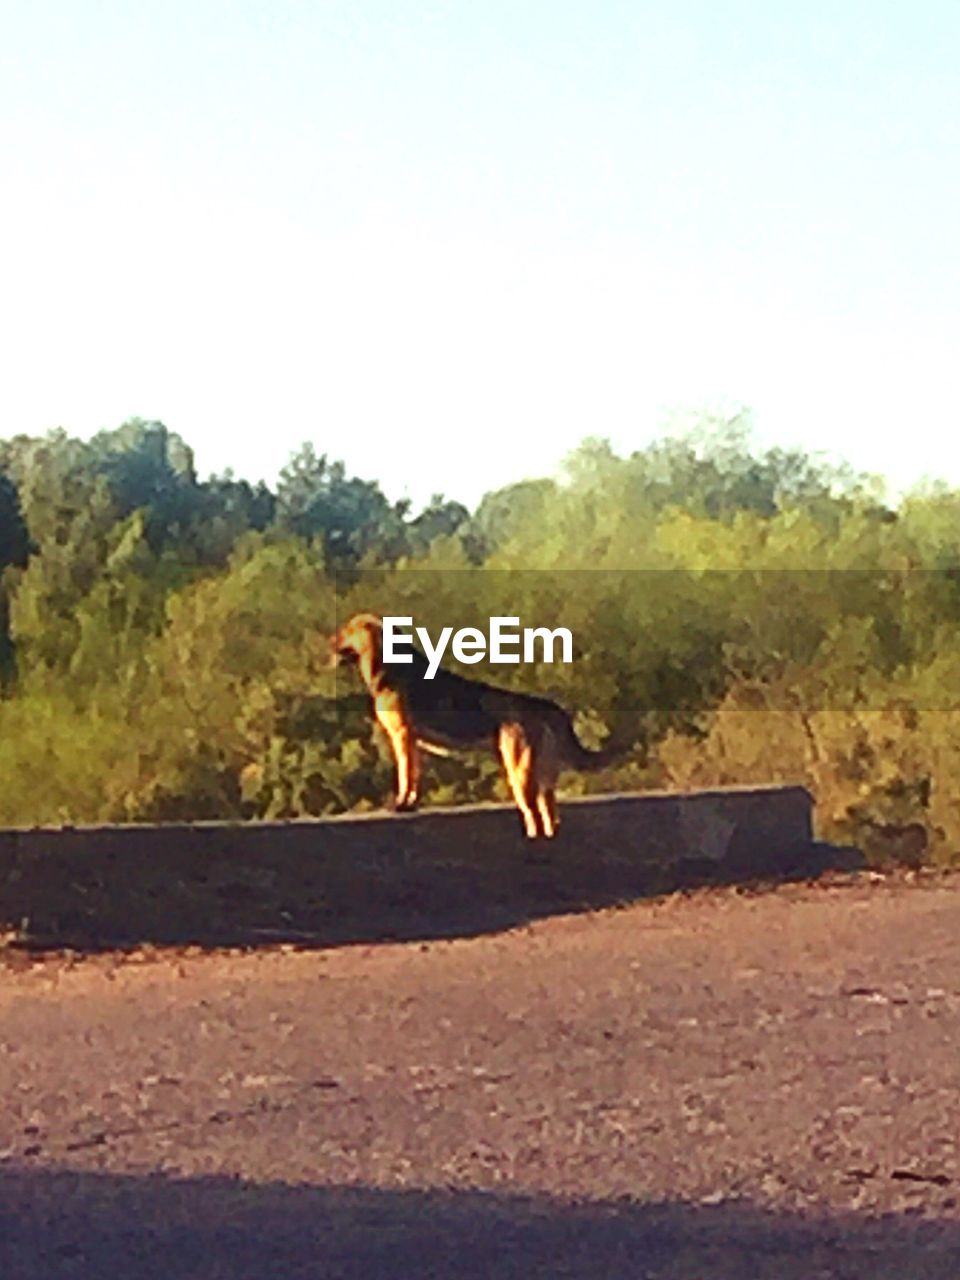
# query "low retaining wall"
(374, 877)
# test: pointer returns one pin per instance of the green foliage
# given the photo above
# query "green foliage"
(14, 551)
(739, 617)
(349, 517)
(14, 539)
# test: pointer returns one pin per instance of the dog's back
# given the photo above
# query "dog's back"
(452, 711)
(449, 709)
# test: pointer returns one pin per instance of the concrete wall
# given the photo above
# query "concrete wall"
(348, 879)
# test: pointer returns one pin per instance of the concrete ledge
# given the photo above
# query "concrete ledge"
(381, 876)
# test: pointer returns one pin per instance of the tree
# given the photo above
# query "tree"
(440, 518)
(14, 538)
(149, 469)
(504, 513)
(351, 517)
(14, 550)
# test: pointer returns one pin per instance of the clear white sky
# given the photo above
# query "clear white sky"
(446, 241)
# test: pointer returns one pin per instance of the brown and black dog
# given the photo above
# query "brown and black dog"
(534, 736)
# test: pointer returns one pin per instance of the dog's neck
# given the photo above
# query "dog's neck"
(370, 661)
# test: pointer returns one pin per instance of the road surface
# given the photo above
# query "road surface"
(707, 1087)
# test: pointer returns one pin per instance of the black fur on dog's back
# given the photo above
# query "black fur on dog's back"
(459, 712)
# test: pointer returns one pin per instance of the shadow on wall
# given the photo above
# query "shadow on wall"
(441, 873)
(86, 1226)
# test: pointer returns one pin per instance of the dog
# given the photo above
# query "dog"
(535, 737)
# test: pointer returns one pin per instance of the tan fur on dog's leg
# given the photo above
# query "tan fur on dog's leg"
(407, 759)
(515, 754)
(547, 771)
(547, 808)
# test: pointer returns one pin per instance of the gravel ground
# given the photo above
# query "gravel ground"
(721, 1084)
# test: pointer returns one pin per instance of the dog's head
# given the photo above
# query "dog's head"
(362, 634)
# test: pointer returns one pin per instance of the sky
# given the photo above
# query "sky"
(446, 242)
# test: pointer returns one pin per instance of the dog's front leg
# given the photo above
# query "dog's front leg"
(407, 759)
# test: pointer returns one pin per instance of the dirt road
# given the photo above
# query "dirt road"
(713, 1086)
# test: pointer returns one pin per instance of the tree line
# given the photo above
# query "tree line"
(740, 615)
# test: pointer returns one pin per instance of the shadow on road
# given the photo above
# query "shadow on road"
(87, 1226)
(436, 874)
(381, 893)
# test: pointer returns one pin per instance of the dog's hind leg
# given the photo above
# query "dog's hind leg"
(547, 808)
(545, 770)
(516, 754)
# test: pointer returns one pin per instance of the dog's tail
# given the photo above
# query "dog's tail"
(574, 753)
